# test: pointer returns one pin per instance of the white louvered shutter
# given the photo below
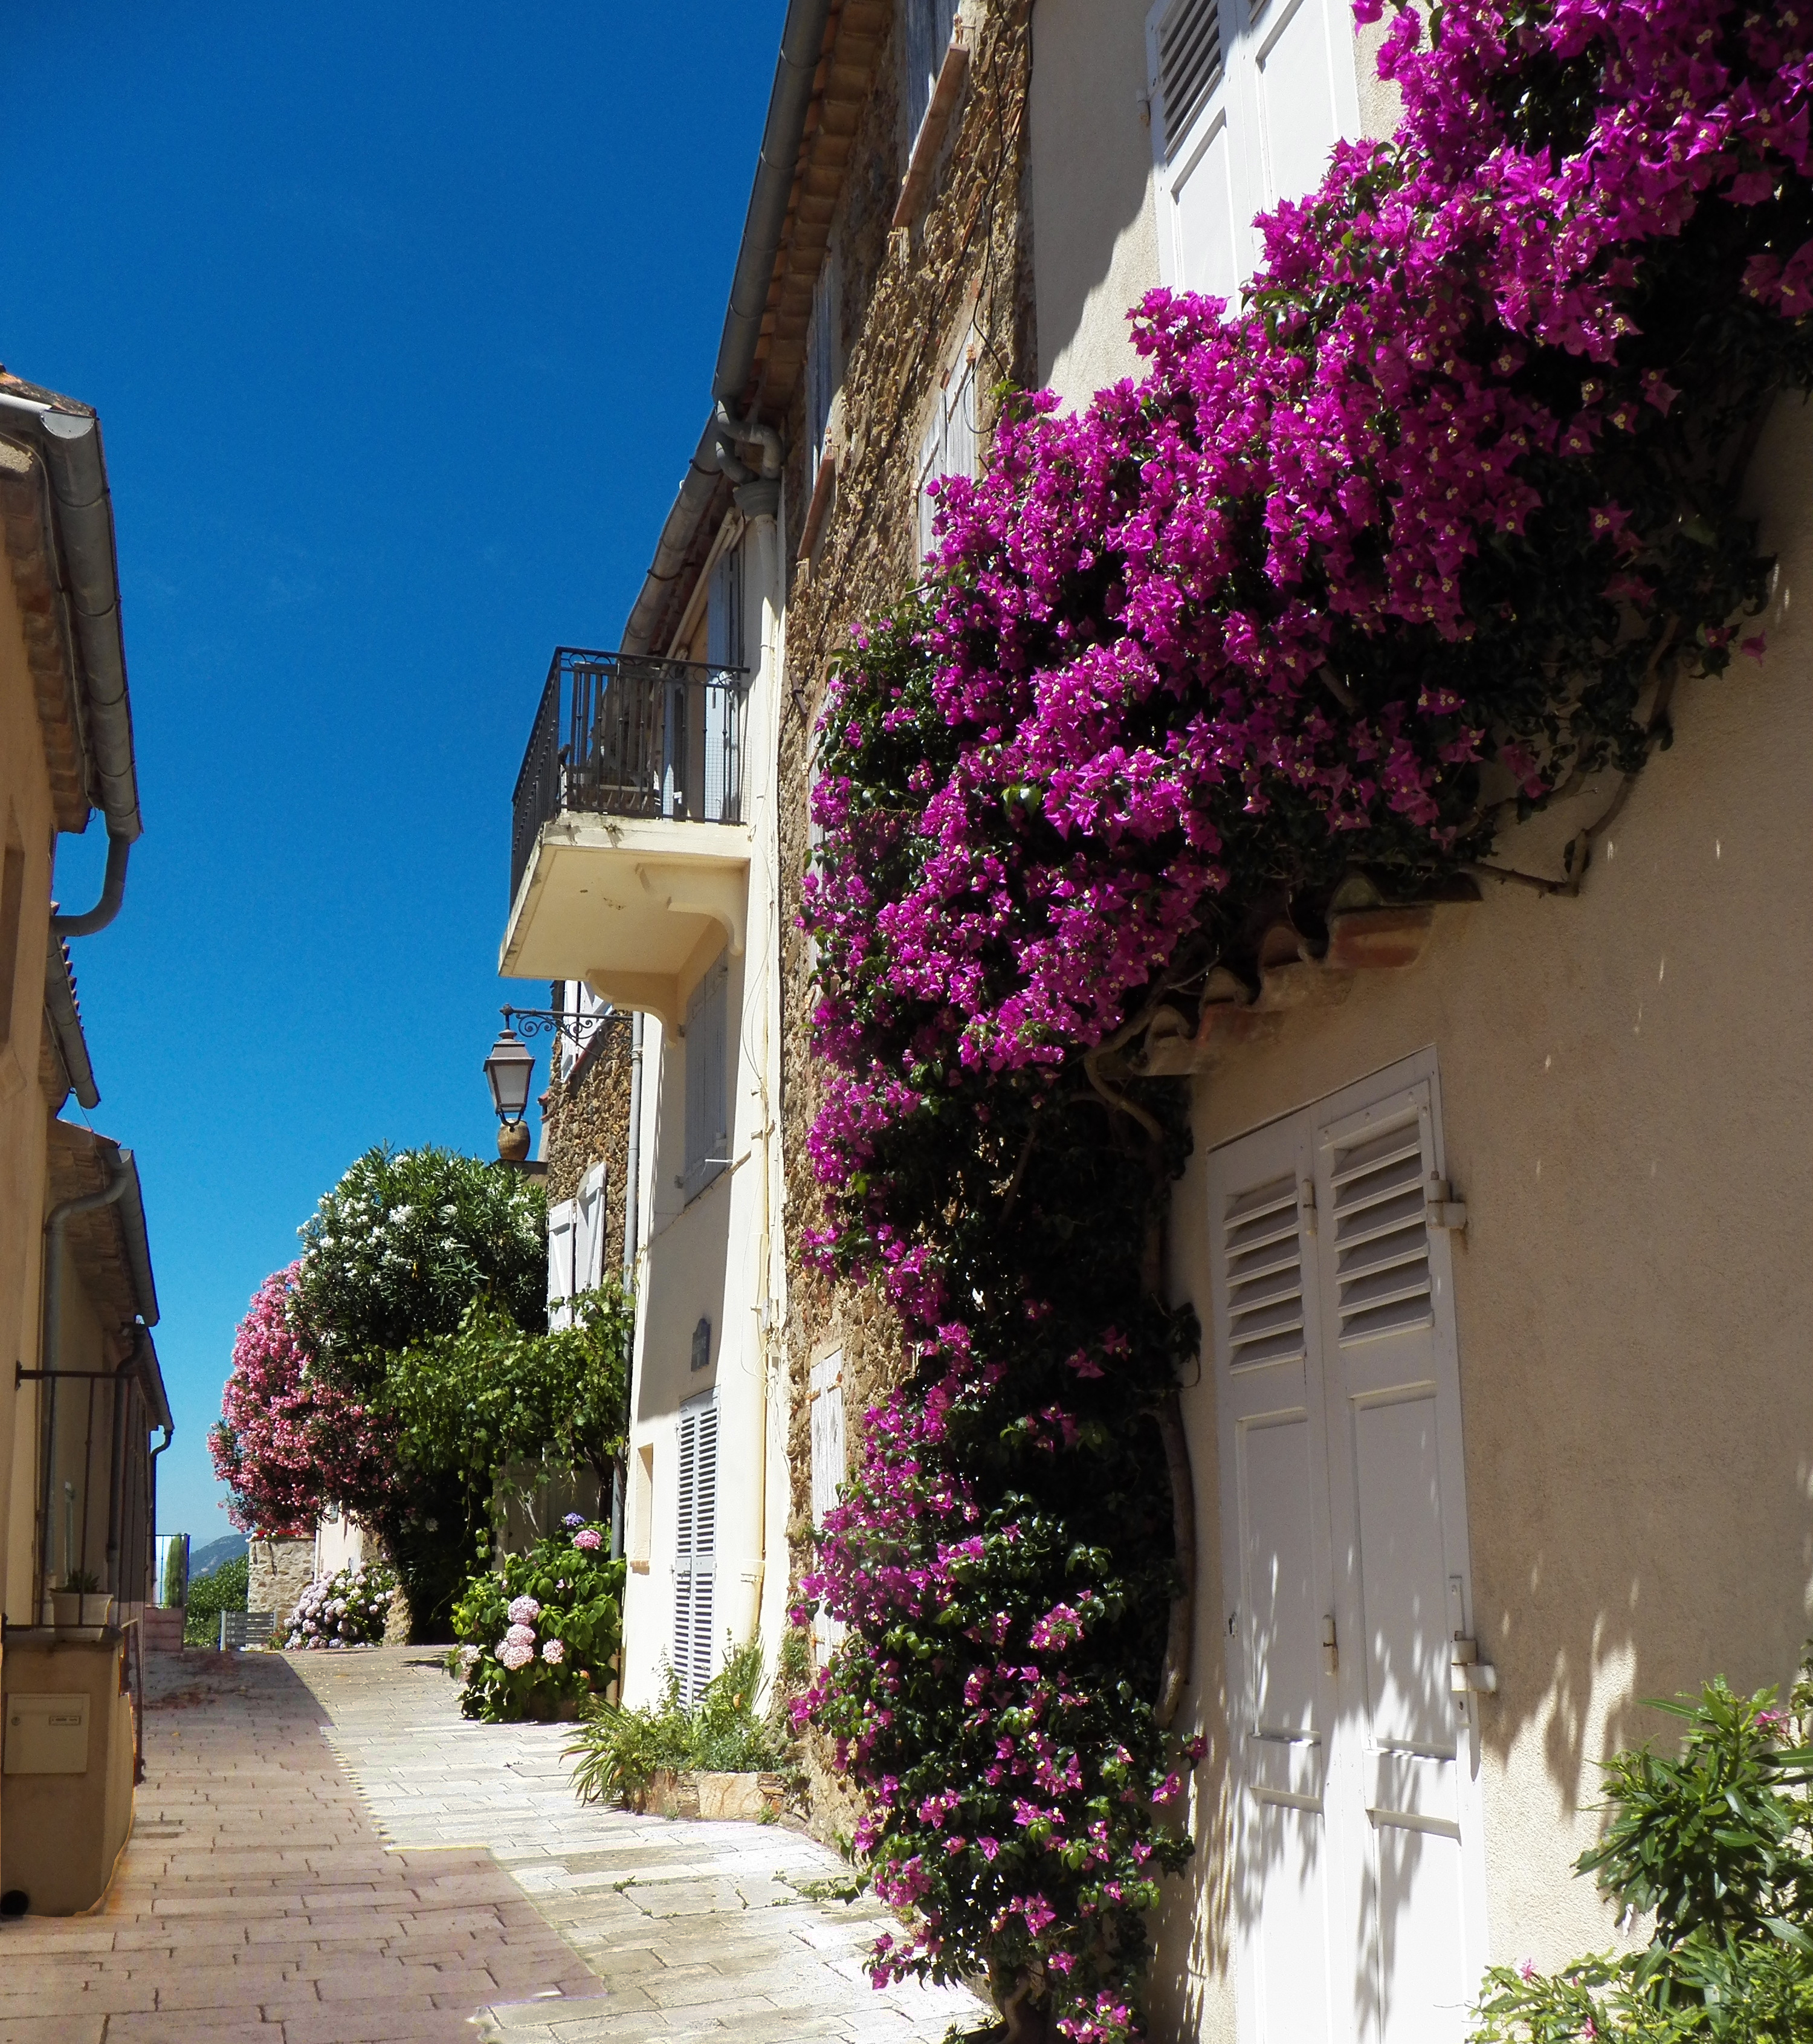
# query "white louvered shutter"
(1277, 1573)
(562, 1224)
(695, 1552)
(1247, 102)
(1397, 1495)
(1360, 1862)
(1198, 137)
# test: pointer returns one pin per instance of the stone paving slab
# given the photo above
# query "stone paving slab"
(695, 1930)
(326, 1853)
(256, 1903)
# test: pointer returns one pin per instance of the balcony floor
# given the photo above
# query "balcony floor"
(635, 906)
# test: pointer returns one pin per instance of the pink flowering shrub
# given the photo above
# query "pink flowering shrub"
(1419, 536)
(287, 1442)
(541, 1630)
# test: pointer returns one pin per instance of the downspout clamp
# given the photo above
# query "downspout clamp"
(757, 492)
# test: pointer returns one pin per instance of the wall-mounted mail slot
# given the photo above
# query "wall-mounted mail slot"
(47, 1735)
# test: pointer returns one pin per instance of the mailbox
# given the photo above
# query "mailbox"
(47, 1735)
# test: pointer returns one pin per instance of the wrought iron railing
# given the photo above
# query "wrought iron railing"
(623, 735)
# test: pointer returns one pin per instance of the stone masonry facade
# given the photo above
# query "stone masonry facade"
(906, 292)
(585, 1121)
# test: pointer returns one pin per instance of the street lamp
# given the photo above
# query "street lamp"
(507, 1070)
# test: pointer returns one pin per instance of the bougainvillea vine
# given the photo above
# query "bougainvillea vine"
(1415, 539)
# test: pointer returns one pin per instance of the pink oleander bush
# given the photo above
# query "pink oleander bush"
(286, 1439)
(1417, 538)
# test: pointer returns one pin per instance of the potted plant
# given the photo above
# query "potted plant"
(81, 1601)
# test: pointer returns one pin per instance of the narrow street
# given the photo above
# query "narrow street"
(326, 1853)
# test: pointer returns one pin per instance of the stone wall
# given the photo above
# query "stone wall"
(905, 291)
(277, 1573)
(585, 1120)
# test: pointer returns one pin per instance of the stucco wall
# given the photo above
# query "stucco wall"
(1095, 246)
(1627, 1094)
(26, 822)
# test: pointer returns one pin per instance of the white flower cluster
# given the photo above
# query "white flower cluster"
(517, 1647)
(346, 1610)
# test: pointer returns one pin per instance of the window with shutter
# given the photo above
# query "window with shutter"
(708, 1079)
(825, 358)
(929, 24)
(1359, 1837)
(952, 441)
(695, 1547)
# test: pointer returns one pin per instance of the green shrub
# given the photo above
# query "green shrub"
(221, 1589)
(1718, 1845)
(176, 1575)
(726, 1731)
(539, 1635)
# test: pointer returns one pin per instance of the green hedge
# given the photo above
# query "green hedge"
(221, 1589)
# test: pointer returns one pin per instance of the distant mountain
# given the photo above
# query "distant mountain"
(228, 1548)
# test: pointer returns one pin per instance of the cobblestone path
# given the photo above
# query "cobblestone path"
(326, 1853)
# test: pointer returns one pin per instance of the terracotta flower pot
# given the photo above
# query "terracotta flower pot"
(97, 1609)
(67, 1606)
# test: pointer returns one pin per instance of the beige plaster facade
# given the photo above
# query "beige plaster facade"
(76, 1468)
(1626, 1096)
(1620, 1078)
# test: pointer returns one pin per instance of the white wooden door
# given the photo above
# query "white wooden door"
(1361, 1882)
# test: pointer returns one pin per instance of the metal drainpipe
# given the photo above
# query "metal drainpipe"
(151, 1488)
(55, 1222)
(631, 1217)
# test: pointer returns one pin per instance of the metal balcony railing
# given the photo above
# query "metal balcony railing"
(623, 735)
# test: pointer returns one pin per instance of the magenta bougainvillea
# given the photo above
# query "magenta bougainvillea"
(1415, 538)
(287, 1442)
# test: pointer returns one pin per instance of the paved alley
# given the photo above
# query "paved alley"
(326, 1853)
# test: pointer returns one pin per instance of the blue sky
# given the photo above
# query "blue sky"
(400, 322)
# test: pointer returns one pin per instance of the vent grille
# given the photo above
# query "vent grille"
(1190, 66)
(1264, 1255)
(1381, 1242)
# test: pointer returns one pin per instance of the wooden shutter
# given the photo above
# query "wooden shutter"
(695, 1554)
(1300, 49)
(1278, 1572)
(561, 1221)
(1198, 138)
(1396, 1483)
(588, 1232)
(929, 24)
(823, 358)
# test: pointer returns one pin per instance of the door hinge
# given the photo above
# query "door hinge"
(1466, 1672)
(1440, 1209)
(1331, 1648)
(1306, 1206)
